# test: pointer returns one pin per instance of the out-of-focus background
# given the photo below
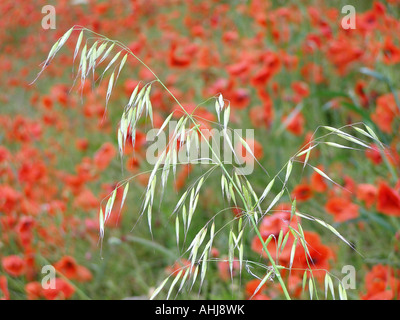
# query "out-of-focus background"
(286, 68)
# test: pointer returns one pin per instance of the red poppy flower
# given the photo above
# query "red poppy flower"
(5, 155)
(240, 98)
(4, 288)
(183, 264)
(14, 265)
(388, 200)
(367, 193)
(182, 176)
(318, 183)
(84, 274)
(313, 73)
(224, 268)
(391, 53)
(294, 123)
(255, 147)
(10, 198)
(47, 102)
(238, 68)
(67, 266)
(272, 225)
(63, 290)
(262, 116)
(342, 53)
(82, 144)
(70, 269)
(385, 112)
(289, 61)
(104, 156)
(373, 154)
(360, 91)
(261, 296)
(317, 258)
(349, 184)
(251, 287)
(179, 61)
(382, 283)
(24, 230)
(33, 290)
(295, 285)
(302, 192)
(86, 200)
(342, 209)
(301, 88)
(237, 211)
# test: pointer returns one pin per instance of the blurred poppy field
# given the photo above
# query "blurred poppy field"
(289, 71)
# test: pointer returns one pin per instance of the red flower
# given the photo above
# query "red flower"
(33, 290)
(5, 155)
(272, 225)
(381, 284)
(240, 98)
(67, 266)
(295, 285)
(70, 269)
(318, 256)
(183, 264)
(179, 61)
(62, 290)
(24, 230)
(367, 193)
(47, 102)
(294, 123)
(385, 112)
(349, 184)
(391, 52)
(251, 287)
(342, 209)
(14, 265)
(262, 116)
(238, 68)
(84, 274)
(104, 156)
(388, 200)
(86, 200)
(360, 91)
(10, 199)
(301, 88)
(302, 192)
(182, 176)
(271, 65)
(312, 73)
(262, 76)
(254, 146)
(318, 183)
(261, 296)
(373, 154)
(82, 144)
(224, 268)
(4, 288)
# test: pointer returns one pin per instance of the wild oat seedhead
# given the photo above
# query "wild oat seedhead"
(236, 189)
